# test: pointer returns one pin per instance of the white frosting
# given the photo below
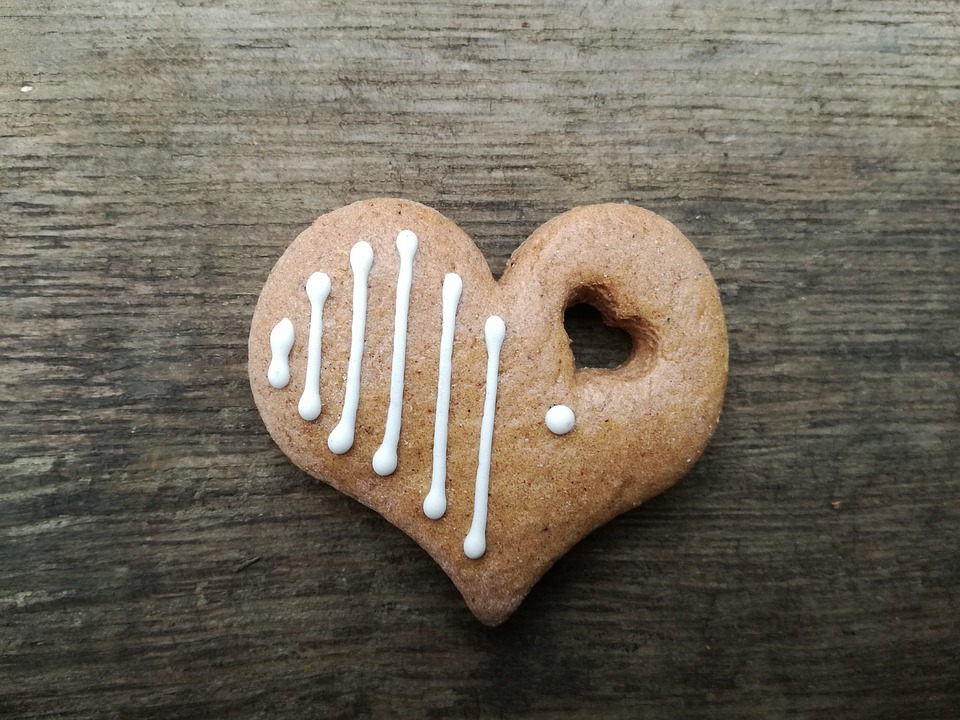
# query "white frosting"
(435, 504)
(560, 419)
(361, 260)
(318, 289)
(475, 544)
(385, 458)
(281, 342)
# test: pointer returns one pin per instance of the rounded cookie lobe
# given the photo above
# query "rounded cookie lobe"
(638, 428)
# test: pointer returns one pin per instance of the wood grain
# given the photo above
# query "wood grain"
(160, 558)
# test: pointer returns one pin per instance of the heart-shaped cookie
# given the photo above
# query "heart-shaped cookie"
(386, 361)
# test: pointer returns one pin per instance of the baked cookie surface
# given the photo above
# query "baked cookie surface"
(386, 361)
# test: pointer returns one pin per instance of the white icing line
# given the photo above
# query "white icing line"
(560, 419)
(475, 544)
(385, 459)
(361, 260)
(435, 504)
(318, 289)
(281, 342)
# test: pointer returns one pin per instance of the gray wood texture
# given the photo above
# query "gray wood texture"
(159, 557)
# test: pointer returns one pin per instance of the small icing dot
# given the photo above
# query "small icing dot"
(560, 419)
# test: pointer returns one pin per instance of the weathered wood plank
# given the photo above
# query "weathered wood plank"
(158, 157)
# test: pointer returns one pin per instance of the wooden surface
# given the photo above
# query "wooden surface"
(159, 557)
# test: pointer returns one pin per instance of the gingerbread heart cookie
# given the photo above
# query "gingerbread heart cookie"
(386, 361)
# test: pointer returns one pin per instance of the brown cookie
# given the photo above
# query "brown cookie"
(515, 494)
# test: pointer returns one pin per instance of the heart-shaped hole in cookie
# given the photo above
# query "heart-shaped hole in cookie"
(603, 341)
(594, 342)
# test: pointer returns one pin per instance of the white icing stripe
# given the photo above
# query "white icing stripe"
(318, 289)
(361, 260)
(475, 544)
(435, 504)
(385, 459)
(281, 342)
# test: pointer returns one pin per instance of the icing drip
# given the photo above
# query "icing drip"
(560, 419)
(435, 504)
(475, 544)
(385, 459)
(281, 342)
(318, 289)
(361, 260)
